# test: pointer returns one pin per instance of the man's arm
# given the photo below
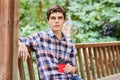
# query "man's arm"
(23, 51)
(71, 67)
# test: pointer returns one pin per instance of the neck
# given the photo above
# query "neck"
(58, 35)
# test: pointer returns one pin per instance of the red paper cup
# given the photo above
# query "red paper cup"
(60, 67)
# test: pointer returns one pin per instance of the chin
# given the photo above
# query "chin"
(56, 30)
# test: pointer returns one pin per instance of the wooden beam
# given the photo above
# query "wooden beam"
(9, 12)
(15, 39)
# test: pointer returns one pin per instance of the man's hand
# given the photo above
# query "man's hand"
(70, 69)
(23, 51)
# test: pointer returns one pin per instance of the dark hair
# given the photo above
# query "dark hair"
(56, 9)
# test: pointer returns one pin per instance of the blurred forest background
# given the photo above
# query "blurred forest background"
(93, 20)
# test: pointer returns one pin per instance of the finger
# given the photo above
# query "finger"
(27, 53)
(25, 56)
(66, 70)
(67, 65)
(22, 55)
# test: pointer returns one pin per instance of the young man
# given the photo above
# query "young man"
(51, 46)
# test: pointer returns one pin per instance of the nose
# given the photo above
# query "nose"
(56, 20)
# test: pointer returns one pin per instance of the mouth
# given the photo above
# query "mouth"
(57, 25)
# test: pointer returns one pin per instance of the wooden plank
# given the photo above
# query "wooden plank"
(101, 61)
(86, 63)
(110, 60)
(4, 50)
(79, 53)
(8, 42)
(15, 7)
(118, 58)
(30, 68)
(96, 62)
(105, 61)
(91, 63)
(97, 44)
(21, 69)
(114, 58)
(78, 62)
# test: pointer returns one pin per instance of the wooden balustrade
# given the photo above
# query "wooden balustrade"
(94, 60)
(97, 60)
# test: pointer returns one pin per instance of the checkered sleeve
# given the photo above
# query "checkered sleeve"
(73, 55)
(31, 41)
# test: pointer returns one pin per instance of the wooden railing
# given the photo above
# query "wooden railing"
(94, 60)
(30, 68)
(97, 60)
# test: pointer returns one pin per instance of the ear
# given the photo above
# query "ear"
(65, 19)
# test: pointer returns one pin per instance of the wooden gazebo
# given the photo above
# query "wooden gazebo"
(96, 61)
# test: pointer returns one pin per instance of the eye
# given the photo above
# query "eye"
(60, 17)
(53, 18)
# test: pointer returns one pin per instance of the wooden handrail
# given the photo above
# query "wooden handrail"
(96, 44)
(94, 60)
(98, 60)
(30, 67)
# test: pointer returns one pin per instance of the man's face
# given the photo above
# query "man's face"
(56, 21)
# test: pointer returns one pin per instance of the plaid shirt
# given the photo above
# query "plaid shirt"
(48, 50)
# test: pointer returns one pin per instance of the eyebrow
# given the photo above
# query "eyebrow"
(59, 17)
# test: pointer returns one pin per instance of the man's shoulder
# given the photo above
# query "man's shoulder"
(68, 39)
(42, 33)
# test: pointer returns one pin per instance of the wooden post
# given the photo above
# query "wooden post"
(40, 6)
(9, 18)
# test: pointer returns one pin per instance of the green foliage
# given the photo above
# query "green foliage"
(89, 17)
(32, 28)
(29, 15)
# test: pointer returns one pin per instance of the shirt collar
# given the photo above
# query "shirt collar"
(51, 34)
